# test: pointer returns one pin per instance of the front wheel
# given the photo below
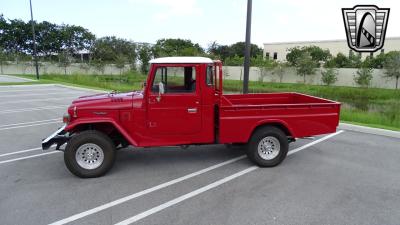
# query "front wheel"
(268, 147)
(89, 154)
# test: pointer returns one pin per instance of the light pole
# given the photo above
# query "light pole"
(247, 49)
(34, 42)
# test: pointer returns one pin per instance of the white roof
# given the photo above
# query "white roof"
(182, 60)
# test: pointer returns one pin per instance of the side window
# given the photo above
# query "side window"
(210, 76)
(175, 79)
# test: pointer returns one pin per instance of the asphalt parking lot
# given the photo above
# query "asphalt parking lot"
(13, 79)
(344, 178)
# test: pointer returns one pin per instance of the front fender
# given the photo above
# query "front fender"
(86, 121)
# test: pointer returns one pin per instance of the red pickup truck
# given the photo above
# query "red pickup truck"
(182, 104)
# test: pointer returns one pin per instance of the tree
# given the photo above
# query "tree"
(51, 39)
(316, 53)
(305, 65)
(239, 47)
(329, 76)
(99, 65)
(145, 54)
(75, 38)
(392, 66)
(354, 60)
(120, 63)
(48, 38)
(113, 49)
(234, 61)
(64, 61)
(264, 65)
(17, 37)
(176, 47)
(220, 51)
(3, 60)
(279, 70)
(364, 76)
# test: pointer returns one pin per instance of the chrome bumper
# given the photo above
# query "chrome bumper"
(59, 137)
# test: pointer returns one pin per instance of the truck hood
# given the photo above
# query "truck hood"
(110, 100)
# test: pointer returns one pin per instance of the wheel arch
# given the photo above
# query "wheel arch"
(107, 126)
(274, 123)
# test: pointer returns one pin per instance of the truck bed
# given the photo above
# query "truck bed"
(299, 115)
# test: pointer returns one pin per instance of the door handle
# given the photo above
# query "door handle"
(192, 110)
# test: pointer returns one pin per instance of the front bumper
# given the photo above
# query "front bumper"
(59, 137)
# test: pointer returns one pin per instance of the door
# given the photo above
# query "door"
(177, 111)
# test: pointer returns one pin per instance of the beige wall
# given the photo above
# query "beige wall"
(28, 68)
(345, 77)
(334, 46)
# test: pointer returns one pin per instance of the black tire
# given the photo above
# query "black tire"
(271, 134)
(89, 137)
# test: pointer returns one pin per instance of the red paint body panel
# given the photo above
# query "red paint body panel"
(302, 115)
(203, 116)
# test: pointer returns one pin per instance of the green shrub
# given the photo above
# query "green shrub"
(329, 76)
(363, 77)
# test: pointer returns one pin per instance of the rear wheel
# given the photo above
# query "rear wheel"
(89, 154)
(268, 147)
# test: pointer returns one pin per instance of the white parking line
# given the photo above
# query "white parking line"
(19, 152)
(144, 192)
(167, 184)
(36, 100)
(28, 157)
(210, 186)
(186, 196)
(31, 122)
(30, 90)
(31, 125)
(32, 109)
(38, 94)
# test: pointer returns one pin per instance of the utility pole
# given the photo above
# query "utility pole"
(34, 42)
(247, 49)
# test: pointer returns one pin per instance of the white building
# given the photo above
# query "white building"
(278, 50)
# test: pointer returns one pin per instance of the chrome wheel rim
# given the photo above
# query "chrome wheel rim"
(89, 156)
(269, 148)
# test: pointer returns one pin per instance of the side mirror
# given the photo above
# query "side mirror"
(161, 91)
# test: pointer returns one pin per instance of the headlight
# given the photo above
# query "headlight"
(66, 118)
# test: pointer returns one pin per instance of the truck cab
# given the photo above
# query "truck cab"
(181, 104)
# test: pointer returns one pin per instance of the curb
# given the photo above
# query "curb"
(369, 130)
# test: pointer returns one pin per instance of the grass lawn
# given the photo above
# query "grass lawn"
(373, 107)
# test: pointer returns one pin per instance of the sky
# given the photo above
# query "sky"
(202, 21)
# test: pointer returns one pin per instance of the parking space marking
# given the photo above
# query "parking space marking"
(30, 125)
(172, 182)
(26, 123)
(30, 90)
(38, 94)
(315, 142)
(28, 157)
(32, 109)
(144, 192)
(36, 100)
(211, 186)
(186, 196)
(19, 152)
